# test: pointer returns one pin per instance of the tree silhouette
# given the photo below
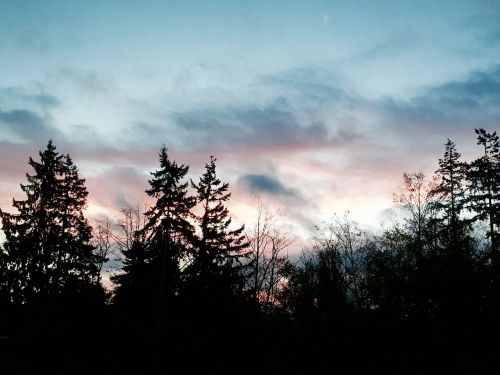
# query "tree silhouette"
(450, 201)
(135, 285)
(48, 247)
(266, 258)
(220, 299)
(417, 199)
(484, 178)
(345, 246)
(168, 233)
(216, 258)
(484, 188)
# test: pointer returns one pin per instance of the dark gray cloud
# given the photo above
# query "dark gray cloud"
(269, 126)
(291, 119)
(472, 101)
(391, 131)
(478, 90)
(27, 124)
(45, 100)
(265, 128)
(37, 96)
(261, 184)
(21, 118)
(26, 114)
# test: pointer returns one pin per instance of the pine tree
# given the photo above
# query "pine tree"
(450, 194)
(484, 178)
(453, 263)
(168, 232)
(219, 248)
(48, 249)
(134, 286)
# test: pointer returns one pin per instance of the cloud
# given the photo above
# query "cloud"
(261, 184)
(114, 186)
(313, 132)
(267, 129)
(472, 101)
(27, 125)
(479, 89)
(26, 114)
(37, 96)
(274, 127)
(485, 24)
(86, 82)
(310, 86)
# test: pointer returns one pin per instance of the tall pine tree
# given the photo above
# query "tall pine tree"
(219, 248)
(450, 195)
(454, 263)
(484, 178)
(48, 250)
(168, 231)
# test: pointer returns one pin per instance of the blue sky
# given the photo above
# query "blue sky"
(316, 106)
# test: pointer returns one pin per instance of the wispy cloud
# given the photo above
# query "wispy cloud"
(26, 125)
(39, 96)
(328, 142)
(454, 108)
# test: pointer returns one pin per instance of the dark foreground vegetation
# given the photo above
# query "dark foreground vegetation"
(196, 294)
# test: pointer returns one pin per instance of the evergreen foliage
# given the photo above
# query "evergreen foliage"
(216, 258)
(484, 186)
(48, 248)
(450, 193)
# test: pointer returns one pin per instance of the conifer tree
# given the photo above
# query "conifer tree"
(133, 283)
(454, 262)
(134, 286)
(484, 178)
(219, 247)
(450, 194)
(48, 248)
(168, 232)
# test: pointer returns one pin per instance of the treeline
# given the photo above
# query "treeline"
(196, 293)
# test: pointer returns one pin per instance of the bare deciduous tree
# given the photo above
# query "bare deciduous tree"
(266, 257)
(349, 245)
(103, 239)
(113, 238)
(129, 225)
(417, 197)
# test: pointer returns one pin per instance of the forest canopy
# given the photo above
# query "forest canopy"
(192, 284)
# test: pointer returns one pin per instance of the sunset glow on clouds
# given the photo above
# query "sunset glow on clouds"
(317, 107)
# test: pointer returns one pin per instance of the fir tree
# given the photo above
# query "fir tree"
(133, 283)
(168, 232)
(48, 249)
(219, 249)
(484, 178)
(453, 264)
(450, 194)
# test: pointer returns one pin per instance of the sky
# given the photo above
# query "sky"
(316, 107)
